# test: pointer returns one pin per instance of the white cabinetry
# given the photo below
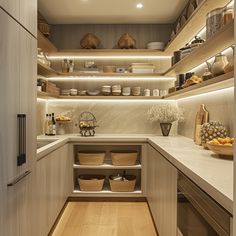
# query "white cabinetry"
(162, 192)
(17, 96)
(54, 180)
(24, 11)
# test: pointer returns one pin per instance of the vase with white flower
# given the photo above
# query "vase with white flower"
(165, 114)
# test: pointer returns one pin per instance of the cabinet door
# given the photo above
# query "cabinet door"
(12, 7)
(162, 192)
(28, 15)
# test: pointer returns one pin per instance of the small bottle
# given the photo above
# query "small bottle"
(46, 125)
(71, 66)
(50, 129)
(53, 125)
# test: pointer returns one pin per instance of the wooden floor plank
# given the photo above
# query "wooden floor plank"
(105, 219)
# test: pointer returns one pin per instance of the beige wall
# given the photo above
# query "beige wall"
(118, 117)
(220, 105)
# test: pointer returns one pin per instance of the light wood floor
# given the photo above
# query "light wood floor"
(105, 219)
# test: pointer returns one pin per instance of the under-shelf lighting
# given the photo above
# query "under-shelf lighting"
(111, 78)
(214, 93)
(110, 101)
(74, 57)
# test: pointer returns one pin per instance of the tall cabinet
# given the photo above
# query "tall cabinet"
(18, 60)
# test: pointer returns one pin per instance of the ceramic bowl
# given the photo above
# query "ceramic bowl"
(221, 150)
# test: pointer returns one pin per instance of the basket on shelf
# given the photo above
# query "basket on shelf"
(91, 157)
(124, 158)
(124, 183)
(87, 124)
(91, 182)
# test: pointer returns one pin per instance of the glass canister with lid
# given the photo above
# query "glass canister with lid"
(214, 22)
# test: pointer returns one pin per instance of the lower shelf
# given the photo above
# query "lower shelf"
(106, 193)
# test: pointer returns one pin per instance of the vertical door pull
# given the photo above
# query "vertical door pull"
(21, 123)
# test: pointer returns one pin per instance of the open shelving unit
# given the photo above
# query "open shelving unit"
(44, 95)
(46, 70)
(193, 25)
(217, 43)
(217, 83)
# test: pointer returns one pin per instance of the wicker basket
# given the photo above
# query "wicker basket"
(127, 185)
(91, 157)
(91, 182)
(44, 28)
(124, 158)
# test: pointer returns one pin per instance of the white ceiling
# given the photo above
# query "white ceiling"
(110, 11)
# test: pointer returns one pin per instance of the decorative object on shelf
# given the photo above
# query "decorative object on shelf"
(87, 124)
(136, 91)
(228, 15)
(202, 117)
(165, 114)
(82, 93)
(182, 20)
(62, 122)
(124, 158)
(180, 81)
(155, 92)
(126, 41)
(193, 80)
(42, 58)
(211, 130)
(93, 93)
(90, 64)
(156, 46)
(163, 92)
(126, 91)
(214, 22)
(65, 92)
(230, 66)
(71, 66)
(43, 26)
(62, 118)
(177, 57)
(106, 90)
(109, 69)
(73, 92)
(124, 183)
(91, 182)
(91, 157)
(198, 41)
(90, 41)
(142, 68)
(207, 75)
(120, 69)
(116, 90)
(65, 66)
(222, 146)
(220, 62)
(190, 9)
(147, 92)
(51, 88)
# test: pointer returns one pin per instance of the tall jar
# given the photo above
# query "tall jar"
(214, 22)
(228, 15)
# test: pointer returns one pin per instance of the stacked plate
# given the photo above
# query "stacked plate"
(156, 45)
(65, 92)
(126, 91)
(136, 91)
(106, 90)
(116, 90)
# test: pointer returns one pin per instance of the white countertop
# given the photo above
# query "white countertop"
(212, 174)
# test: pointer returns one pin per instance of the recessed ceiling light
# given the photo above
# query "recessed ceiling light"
(139, 5)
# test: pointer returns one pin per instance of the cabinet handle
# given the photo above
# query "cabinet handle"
(19, 178)
(21, 122)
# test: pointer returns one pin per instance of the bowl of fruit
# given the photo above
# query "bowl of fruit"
(222, 146)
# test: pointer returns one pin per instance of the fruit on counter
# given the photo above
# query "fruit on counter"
(62, 118)
(222, 141)
(84, 124)
(193, 80)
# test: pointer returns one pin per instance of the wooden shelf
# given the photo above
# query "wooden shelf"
(193, 25)
(45, 44)
(102, 74)
(66, 53)
(110, 97)
(45, 70)
(45, 95)
(217, 83)
(220, 41)
(108, 166)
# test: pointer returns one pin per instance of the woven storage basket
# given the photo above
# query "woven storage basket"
(91, 158)
(91, 182)
(44, 28)
(124, 158)
(123, 186)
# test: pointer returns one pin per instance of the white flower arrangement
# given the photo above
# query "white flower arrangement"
(165, 113)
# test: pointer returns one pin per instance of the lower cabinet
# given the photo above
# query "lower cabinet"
(54, 185)
(162, 192)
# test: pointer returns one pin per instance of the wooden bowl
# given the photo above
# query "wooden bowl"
(221, 150)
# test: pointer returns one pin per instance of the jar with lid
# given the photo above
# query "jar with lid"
(65, 66)
(214, 22)
(228, 15)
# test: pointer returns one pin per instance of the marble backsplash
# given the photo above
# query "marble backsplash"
(117, 117)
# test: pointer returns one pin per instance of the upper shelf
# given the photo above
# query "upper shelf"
(194, 24)
(108, 53)
(217, 43)
(45, 44)
(217, 83)
(45, 70)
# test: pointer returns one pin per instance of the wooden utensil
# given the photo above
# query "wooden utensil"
(201, 118)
